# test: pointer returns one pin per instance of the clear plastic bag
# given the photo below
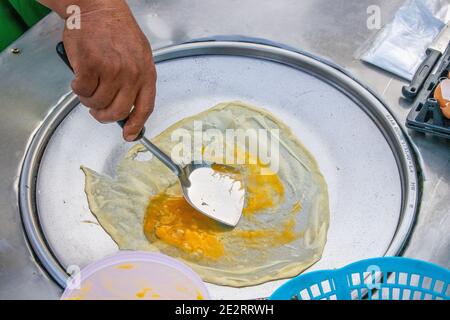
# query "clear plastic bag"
(400, 46)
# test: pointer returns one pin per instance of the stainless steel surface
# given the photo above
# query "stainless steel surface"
(34, 80)
(376, 215)
(442, 40)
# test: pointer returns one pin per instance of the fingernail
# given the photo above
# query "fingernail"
(130, 137)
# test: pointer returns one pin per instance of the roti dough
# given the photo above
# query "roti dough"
(281, 233)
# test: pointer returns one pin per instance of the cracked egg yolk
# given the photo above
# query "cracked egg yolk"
(172, 220)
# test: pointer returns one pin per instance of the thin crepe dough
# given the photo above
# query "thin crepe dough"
(120, 203)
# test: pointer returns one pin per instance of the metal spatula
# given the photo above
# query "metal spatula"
(216, 195)
(210, 191)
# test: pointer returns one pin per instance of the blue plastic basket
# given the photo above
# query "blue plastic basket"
(388, 278)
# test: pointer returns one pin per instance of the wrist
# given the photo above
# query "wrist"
(60, 6)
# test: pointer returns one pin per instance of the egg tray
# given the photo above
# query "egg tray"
(426, 115)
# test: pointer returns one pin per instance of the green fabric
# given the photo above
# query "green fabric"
(11, 25)
(16, 16)
(30, 10)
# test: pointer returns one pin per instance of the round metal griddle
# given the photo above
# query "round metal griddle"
(361, 150)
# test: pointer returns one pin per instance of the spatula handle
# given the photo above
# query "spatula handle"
(63, 55)
(164, 158)
(122, 124)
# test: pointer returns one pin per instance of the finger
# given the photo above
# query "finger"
(85, 83)
(119, 109)
(103, 96)
(143, 107)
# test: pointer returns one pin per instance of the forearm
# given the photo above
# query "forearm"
(60, 6)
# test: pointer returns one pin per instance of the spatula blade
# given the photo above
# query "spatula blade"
(219, 196)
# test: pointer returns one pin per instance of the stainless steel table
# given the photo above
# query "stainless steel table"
(33, 81)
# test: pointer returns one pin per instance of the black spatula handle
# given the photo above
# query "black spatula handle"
(63, 55)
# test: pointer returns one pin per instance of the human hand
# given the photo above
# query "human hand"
(112, 61)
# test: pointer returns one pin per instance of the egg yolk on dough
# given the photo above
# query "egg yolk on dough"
(262, 191)
(172, 220)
